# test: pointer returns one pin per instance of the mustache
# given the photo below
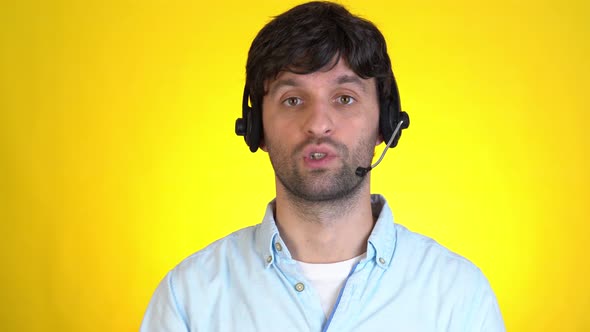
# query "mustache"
(341, 148)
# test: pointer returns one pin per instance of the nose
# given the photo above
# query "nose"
(319, 121)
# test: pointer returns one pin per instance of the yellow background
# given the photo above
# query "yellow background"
(118, 157)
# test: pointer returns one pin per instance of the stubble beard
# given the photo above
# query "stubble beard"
(322, 185)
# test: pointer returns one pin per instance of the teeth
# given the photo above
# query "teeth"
(317, 155)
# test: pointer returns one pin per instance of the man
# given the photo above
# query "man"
(327, 255)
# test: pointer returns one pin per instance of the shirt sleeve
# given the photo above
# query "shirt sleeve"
(486, 312)
(163, 313)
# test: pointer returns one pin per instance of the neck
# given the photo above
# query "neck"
(325, 231)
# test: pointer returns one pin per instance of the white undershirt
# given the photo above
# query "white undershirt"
(328, 279)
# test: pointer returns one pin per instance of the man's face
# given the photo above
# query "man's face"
(318, 128)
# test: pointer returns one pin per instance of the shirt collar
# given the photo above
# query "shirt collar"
(267, 234)
(383, 237)
(380, 246)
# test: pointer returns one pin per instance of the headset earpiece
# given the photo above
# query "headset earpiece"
(391, 114)
(250, 124)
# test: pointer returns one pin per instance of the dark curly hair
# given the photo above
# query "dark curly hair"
(310, 36)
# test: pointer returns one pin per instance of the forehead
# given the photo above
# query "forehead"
(333, 75)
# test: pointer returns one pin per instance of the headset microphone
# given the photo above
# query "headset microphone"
(362, 171)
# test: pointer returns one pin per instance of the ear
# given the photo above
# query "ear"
(262, 145)
(379, 139)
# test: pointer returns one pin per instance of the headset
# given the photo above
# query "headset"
(390, 116)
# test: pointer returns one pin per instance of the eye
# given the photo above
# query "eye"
(345, 100)
(292, 101)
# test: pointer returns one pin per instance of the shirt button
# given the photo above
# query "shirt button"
(299, 287)
(269, 259)
(278, 246)
(381, 260)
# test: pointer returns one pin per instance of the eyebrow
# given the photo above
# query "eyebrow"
(343, 79)
(276, 85)
(351, 79)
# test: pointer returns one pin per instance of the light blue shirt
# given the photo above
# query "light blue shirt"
(248, 281)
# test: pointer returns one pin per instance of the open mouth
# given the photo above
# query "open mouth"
(316, 155)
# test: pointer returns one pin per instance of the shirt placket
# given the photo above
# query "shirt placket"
(300, 289)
